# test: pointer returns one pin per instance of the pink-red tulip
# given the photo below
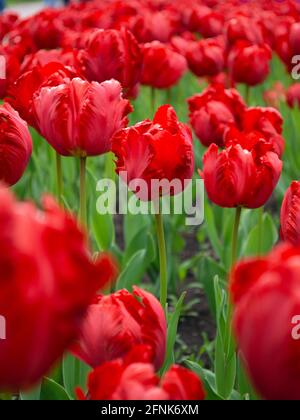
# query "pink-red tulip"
(290, 214)
(79, 118)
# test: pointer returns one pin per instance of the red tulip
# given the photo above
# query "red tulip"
(244, 174)
(294, 38)
(21, 92)
(163, 67)
(47, 281)
(66, 57)
(158, 150)
(133, 378)
(15, 145)
(293, 95)
(7, 21)
(275, 96)
(266, 293)
(206, 57)
(213, 111)
(112, 54)
(115, 323)
(79, 118)
(249, 64)
(242, 28)
(290, 214)
(268, 122)
(203, 19)
(10, 68)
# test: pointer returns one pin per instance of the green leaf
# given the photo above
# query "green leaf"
(172, 333)
(52, 391)
(212, 230)
(75, 373)
(103, 230)
(33, 394)
(269, 237)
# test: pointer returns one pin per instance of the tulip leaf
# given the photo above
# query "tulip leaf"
(75, 373)
(269, 237)
(172, 333)
(212, 230)
(51, 391)
(103, 230)
(33, 394)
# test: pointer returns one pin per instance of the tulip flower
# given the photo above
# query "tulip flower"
(268, 122)
(157, 150)
(244, 174)
(162, 66)
(293, 96)
(242, 28)
(275, 96)
(133, 378)
(266, 296)
(117, 322)
(15, 145)
(290, 214)
(249, 64)
(206, 57)
(79, 118)
(20, 93)
(47, 282)
(213, 111)
(66, 57)
(98, 63)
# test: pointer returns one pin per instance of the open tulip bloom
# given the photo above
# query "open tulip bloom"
(150, 203)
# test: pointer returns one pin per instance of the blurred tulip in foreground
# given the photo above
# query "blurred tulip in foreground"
(15, 145)
(134, 378)
(47, 281)
(117, 322)
(266, 294)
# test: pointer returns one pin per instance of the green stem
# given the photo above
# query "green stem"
(6, 396)
(260, 230)
(153, 100)
(248, 95)
(59, 179)
(83, 201)
(169, 96)
(235, 235)
(162, 259)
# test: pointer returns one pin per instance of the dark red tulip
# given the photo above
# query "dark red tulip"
(161, 149)
(117, 322)
(45, 266)
(112, 54)
(162, 66)
(134, 378)
(213, 111)
(206, 57)
(15, 145)
(290, 214)
(61, 114)
(249, 64)
(267, 300)
(244, 174)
